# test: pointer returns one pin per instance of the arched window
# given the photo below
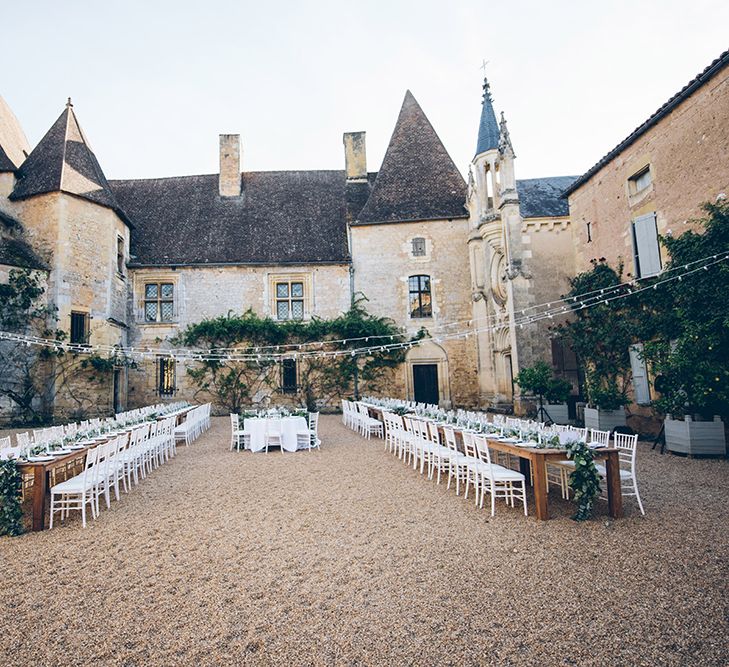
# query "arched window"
(420, 301)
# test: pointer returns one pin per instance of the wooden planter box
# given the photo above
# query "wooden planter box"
(604, 420)
(691, 437)
(559, 412)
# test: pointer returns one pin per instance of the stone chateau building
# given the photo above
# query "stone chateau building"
(133, 262)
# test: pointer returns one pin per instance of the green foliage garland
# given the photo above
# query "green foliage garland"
(584, 479)
(11, 520)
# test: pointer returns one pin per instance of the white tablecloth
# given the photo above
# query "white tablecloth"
(289, 427)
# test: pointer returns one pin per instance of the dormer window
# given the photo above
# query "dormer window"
(418, 247)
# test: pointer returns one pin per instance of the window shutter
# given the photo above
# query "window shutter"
(641, 389)
(647, 249)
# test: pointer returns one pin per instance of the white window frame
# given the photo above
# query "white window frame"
(641, 383)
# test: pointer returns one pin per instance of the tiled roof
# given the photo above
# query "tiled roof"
(542, 197)
(488, 128)
(63, 161)
(417, 180)
(689, 89)
(14, 250)
(282, 217)
(6, 164)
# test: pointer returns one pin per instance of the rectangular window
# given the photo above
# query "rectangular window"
(641, 386)
(288, 376)
(420, 301)
(289, 300)
(120, 255)
(166, 376)
(79, 328)
(418, 247)
(159, 302)
(639, 181)
(646, 249)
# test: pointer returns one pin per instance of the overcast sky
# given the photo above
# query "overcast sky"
(154, 82)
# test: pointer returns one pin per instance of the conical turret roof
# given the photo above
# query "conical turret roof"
(63, 161)
(418, 179)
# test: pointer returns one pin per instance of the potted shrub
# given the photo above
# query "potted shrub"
(690, 356)
(551, 391)
(606, 408)
(601, 336)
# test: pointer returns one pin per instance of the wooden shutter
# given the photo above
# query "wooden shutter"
(641, 388)
(647, 249)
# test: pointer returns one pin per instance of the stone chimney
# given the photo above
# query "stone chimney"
(230, 182)
(355, 156)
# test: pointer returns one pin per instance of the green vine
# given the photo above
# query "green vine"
(584, 479)
(11, 522)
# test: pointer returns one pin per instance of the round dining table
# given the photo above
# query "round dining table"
(288, 426)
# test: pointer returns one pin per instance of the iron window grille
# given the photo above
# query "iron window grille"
(166, 385)
(79, 328)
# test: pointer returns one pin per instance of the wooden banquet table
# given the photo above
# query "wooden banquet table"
(41, 469)
(536, 458)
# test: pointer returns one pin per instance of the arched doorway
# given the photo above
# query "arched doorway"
(427, 375)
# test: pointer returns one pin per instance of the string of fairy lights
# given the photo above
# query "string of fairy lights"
(322, 349)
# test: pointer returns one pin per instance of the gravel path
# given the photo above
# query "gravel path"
(345, 556)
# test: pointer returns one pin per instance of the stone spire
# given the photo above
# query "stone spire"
(505, 147)
(488, 128)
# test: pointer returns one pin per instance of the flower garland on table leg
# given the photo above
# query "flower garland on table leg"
(11, 517)
(584, 480)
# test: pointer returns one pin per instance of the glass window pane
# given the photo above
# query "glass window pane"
(150, 311)
(297, 289)
(282, 310)
(413, 283)
(425, 308)
(167, 290)
(297, 309)
(167, 311)
(414, 306)
(425, 283)
(150, 291)
(282, 290)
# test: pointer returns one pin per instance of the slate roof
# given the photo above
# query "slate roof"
(689, 89)
(542, 197)
(283, 217)
(63, 161)
(417, 180)
(14, 251)
(488, 128)
(6, 164)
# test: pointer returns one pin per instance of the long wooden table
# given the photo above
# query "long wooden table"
(536, 458)
(41, 469)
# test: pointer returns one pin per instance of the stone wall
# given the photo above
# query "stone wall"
(383, 260)
(207, 292)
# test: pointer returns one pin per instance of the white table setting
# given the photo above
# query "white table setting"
(288, 427)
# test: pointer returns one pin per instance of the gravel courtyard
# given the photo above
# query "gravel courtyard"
(345, 556)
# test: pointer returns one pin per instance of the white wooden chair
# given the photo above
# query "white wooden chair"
(627, 446)
(77, 492)
(498, 481)
(238, 435)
